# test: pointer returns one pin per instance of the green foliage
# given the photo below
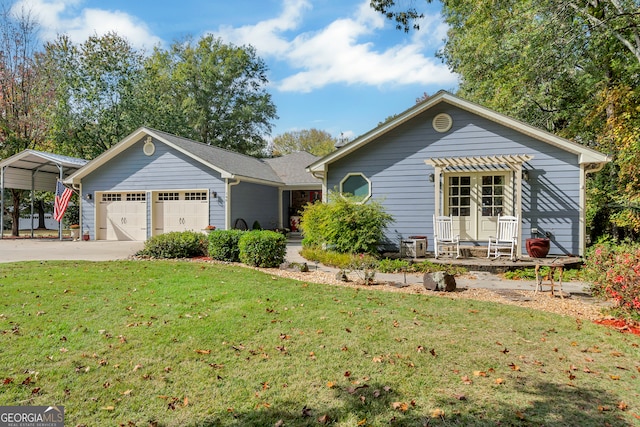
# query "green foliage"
(95, 84)
(345, 225)
(223, 95)
(256, 225)
(224, 245)
(390, 265)
(262, 248)
(345, 261)
(314, 141)
(530, 274)
(176, 244)
(330, 258)
(615, 273)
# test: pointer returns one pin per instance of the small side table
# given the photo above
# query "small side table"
(552, 270)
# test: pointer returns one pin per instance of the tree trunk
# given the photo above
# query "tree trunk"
(15, 215)
(40, 208)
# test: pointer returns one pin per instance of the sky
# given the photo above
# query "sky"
(333, 65)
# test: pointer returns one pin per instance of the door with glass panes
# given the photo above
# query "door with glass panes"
(474, 201)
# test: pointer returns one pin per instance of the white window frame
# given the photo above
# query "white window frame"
(352, 174)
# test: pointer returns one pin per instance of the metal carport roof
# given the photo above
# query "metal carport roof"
(35, 170)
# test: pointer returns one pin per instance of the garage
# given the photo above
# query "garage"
(180, 211)
(122, 216)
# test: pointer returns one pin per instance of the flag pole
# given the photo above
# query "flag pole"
(59, 222)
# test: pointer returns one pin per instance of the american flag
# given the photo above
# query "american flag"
(63, 194)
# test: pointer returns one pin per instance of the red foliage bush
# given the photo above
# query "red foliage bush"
(615, 273)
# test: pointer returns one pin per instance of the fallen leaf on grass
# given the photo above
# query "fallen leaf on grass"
(325, 419)
(466, 380)
(499, 381)
(352, 390)
(623, 406)
(199, 351)
(400, 406)
(437, 413)
(614, 377)
(362, 422)
(479, 374)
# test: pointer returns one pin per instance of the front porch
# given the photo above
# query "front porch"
(474, 258)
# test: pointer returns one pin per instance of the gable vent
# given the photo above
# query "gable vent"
(148, 148)
(442, 122)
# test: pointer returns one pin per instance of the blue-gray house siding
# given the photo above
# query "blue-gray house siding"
(395, 164)
(253, 202)
(166, 169)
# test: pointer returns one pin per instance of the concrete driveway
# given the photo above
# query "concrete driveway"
(12, 250)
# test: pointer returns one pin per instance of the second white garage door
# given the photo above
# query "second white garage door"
(180, 211)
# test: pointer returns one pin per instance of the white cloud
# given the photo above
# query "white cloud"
(342, 53)
(63, 17)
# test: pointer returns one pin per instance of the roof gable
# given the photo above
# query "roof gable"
(585, 154)
(228, 163)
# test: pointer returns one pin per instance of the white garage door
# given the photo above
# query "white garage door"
(122, 216)
(180, 211)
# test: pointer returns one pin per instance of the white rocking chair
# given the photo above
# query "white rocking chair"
(506, 237)
(443, 237)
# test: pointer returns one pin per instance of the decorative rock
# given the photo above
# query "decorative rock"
(439, 281)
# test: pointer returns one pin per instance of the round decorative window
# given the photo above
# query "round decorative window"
(149, 148)
(442, 122)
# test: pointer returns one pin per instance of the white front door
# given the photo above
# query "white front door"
(474, 201)
(122, 216)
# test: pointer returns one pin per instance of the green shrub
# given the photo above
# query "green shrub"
(345, 225)
(614, 271)
(177, 244)
(256, 225)
(223, 245)
(389, 265)
(262, 248)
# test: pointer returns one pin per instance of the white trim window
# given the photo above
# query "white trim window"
(356, 184)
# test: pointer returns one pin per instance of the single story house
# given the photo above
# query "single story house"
(153, 182)
(449, 156)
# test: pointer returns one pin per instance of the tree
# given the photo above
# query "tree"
(25, 94)
(222, 89)
(314, 141)
(404, 14)
(95, 91)
(568, 66)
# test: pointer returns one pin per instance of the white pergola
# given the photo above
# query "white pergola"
(511, 162)
(35, 170)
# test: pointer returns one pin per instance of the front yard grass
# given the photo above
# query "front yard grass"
(169, 343)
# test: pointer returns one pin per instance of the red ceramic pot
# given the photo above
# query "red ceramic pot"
(538, 247)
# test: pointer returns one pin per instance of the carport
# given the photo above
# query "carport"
(35, 170)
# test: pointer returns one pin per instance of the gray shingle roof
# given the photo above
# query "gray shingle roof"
(291, 168)
(229, 161)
